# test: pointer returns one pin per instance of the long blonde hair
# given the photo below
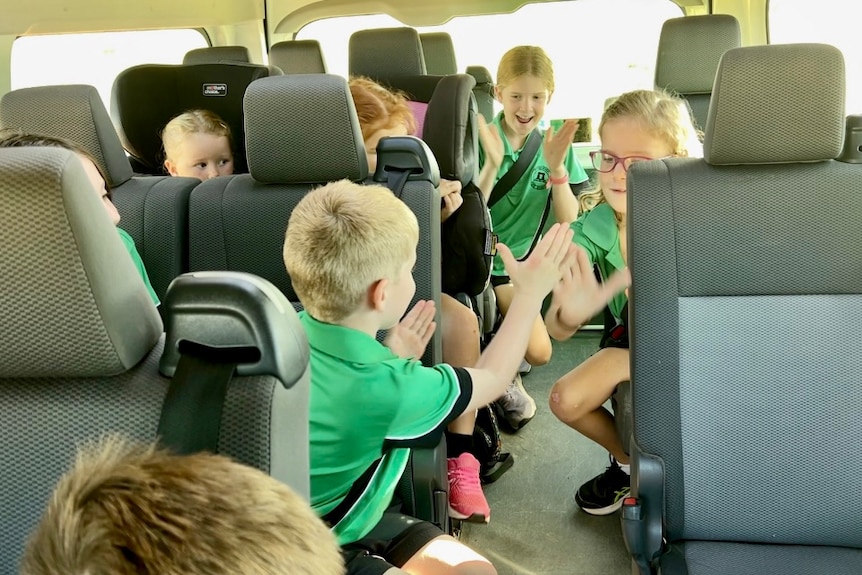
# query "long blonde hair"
(525, 60)
(662, 115)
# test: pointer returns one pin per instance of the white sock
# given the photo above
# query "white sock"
(625, 467)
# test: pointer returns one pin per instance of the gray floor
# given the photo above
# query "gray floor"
(535, 527)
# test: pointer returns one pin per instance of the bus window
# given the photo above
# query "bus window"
(590, 64)
(96, 58)
(827, 22)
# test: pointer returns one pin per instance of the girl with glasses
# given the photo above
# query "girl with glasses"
(637, 126)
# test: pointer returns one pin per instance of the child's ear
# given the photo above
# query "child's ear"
(377, 294)
(170, 167)
(498, 94)
(548, 101)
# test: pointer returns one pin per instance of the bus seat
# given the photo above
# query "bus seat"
(298, 57)
(484, 91)
(144, 98)
(386, 53)
(688, 53)
(746, 400)
(303, 132)
(217, 55)
(153, 210)
(439, 53)
(81, 344)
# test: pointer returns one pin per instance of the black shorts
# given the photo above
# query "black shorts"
(392, 542)
(497, 281)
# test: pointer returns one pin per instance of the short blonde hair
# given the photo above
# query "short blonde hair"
(379, 108)
(662, 115)
(525, 60)
(341, 238)
(196, 121)
(126, 508)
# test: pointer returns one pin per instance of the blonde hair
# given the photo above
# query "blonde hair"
(197, 121)
(379, 108)
(126, 508)
(522, 61)
(662, 115)
(340, 239)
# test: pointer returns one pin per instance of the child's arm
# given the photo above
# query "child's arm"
(555, 148)
(579, 296)
(533, 279)
(410, 336)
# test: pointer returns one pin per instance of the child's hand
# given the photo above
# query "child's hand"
(409, 338)
(556, 145)
(578, 295)
(540, 272)
(450, 192)
(491, 142)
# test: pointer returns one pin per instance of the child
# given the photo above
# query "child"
(525, 84)
(637, 126)
(99, 181)
(383, 113)
(349, 251)
(198, 144)
(126, 508)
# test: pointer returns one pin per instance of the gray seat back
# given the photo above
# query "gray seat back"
(153, 210)
(81, 344)
(439, 53)
(298, 57)
(386, 53)
(483, 91)
(746, 397)
(217, 54)
(688, 53)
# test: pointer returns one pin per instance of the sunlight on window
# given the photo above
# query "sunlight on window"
(827, 22)
(600, 48)
(96, 59)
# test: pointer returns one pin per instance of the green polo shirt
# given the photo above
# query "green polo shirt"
(597, 232)
(136, 259)
(367, 403)
(517, 215)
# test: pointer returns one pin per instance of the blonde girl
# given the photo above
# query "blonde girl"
(198, 144)
(637, 126)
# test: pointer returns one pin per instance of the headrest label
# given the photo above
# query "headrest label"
(215, 90)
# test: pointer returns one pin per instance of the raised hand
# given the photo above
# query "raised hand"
(450, 193)
(557, 144)
(540, 272)
(492, 143)
(410, 337)
(579, 295)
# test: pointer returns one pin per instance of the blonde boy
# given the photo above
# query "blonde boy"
(126, 508)
(350, 250)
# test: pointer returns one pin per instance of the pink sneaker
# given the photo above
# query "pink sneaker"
(466, 500)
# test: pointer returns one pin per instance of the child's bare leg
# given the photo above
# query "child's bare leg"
(445, 555)
(576, 399)
(460, 333)
(539, 347)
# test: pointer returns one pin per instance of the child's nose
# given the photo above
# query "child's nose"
(212, 172)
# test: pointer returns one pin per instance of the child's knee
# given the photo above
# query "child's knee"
(539, 353)
(565, 403)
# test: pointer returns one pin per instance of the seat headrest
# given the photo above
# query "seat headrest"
(481, 74)
(303, 128)
(451, 129)
(689, 49)
(385, 53)
(217, 55)
(439, 53)
(298, 57)
(72, 112)
(146, 97)
(776, 104)
(73, 303)
(223, 308)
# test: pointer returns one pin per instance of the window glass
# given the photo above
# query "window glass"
(600, 48)
(824, 21)
(96, 58)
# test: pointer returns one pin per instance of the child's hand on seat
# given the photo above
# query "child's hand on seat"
(409, 338)
(579, 296)
(540, 272)
(450, 193)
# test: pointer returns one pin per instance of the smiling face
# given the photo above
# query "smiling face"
(524, 100)
(201, 156)
(625, 137)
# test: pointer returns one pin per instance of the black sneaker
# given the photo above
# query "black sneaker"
(604, 493)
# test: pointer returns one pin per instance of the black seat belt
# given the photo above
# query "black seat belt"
(192, 410)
